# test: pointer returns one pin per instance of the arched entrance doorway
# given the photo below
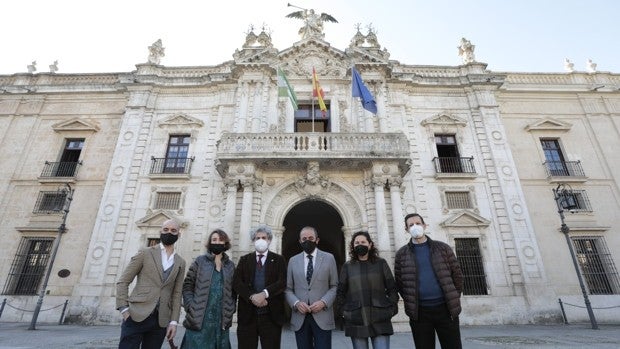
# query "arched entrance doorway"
(325, 219)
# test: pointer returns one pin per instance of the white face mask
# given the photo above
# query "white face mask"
(416, 231)
(261, 245)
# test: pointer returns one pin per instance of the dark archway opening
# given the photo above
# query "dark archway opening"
(325, 219)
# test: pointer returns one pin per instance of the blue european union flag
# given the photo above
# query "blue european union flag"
(358, 89)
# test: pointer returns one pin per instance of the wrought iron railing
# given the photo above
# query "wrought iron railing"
(60, 169)
(171, 165)
(564, 169)
(454, 165)
(50, 202)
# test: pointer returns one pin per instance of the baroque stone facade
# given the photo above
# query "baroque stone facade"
(470, 149)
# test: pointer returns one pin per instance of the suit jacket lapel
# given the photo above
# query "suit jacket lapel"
(317, 265)
(156, 255)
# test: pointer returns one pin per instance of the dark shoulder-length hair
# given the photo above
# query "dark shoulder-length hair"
(223, 236)
(373, 254)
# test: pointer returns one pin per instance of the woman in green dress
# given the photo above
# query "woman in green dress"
(208, 298)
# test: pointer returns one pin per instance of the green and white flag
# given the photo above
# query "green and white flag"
(285, 89)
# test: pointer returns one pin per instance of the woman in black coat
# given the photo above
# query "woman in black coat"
(367, 297)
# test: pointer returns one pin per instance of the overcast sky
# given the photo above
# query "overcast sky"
(88, 36)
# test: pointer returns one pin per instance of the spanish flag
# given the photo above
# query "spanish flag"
(317, 92)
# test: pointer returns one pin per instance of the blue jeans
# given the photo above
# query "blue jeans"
(378, 342)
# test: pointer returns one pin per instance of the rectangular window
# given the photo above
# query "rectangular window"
(554, 159)
(152, 242)
(50, 202)
(28, 266)
(577, 201)
(168, 201)
(596, 264)
(176, 154)
(448, 154)
(69, 158)
(305, 123)
(458, 200)
(470, 258)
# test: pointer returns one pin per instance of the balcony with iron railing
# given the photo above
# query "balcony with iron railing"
(331, 150)
(170, 167)
(65, 172)
(454, 167)
(564, 171)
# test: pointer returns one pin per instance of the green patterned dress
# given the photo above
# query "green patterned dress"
(211, 336)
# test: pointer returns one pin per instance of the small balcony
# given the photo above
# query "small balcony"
(170, 167)
(564, 171)
(293, 150)
(454, 167)
(62, 172)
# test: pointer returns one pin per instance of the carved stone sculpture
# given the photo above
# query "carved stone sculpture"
(466, 51)
(156, 52)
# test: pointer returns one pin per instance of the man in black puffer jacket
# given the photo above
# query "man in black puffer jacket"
(430, 281)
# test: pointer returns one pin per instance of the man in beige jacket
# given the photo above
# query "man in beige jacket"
(152, 310)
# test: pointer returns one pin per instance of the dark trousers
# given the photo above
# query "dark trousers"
(147, 332)
(311, 336)
(435, 319)
(264, 328)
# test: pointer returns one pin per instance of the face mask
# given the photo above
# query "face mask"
(360, 250)
(217, 248)
(308, 246)
(416, 231)
(168, 239)
(261, 245)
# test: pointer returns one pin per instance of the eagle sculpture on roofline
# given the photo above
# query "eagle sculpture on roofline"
(313, 23)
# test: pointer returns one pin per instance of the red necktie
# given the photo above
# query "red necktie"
(259, 261)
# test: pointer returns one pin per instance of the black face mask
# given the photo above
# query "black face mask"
(217, 248)
(168, 239)
(308, 246)
(360, 250)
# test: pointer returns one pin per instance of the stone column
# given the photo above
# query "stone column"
(276, 243)
(243, 108)
(231, 205)
(383, 234)
(400, 238)
(245, 223)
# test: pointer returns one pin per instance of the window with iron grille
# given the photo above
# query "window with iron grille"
(50, 202)
(596, 264)
(577, 200)
(28, 266)
(168, 200)
(152, 242)
(470, 259)
(457, 199)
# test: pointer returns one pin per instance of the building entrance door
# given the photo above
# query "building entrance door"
(325, 219)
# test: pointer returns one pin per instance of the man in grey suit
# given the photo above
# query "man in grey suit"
(152, 310)
(312, 279)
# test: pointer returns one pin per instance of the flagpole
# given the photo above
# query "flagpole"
(313, 113)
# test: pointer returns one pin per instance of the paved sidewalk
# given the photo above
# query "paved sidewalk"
(48, 336)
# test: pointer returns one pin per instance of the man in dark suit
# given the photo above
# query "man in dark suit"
(152, 310)
(260, 279)
(311, 282)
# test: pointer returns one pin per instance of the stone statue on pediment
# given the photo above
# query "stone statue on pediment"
(32, 67)
(569, 66)
(53, 67)
(466, 51)
(156, 52)
(313, 22)
(590, 66)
